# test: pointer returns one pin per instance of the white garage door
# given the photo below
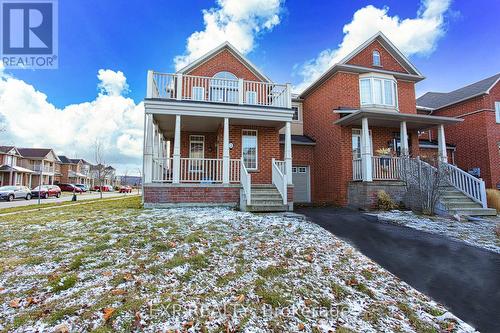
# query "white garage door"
(302, 184)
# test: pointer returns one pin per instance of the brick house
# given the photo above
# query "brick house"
(43, 162)
(74, 171)
(221, 132)
(12, 171)
(477, 138)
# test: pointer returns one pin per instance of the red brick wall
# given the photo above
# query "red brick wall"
(365, 59)
(477, 138)
(210, 143)
(191, 194)
(332, 165)
(340, 90)
(224, 61)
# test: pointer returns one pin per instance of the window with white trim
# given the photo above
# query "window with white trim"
(497, 111)
(249, 149)
(198, 93)
(378, 91)
(376, 58)
(251, 97)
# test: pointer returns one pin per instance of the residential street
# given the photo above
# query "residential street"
(64, 197)
(464, 278)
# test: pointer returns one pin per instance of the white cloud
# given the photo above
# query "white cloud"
(31, 121)
(412, 36)
(112, 83)
(236, 21)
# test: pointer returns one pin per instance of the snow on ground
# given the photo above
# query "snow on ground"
(477, 232)
(119, 268)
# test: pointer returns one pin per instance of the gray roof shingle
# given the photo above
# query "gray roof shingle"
(34, 152)
(436, 100)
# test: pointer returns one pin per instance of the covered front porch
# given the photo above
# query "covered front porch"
(383, 139)
(207, 158)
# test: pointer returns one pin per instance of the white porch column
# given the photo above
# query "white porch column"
(288, 152)
(147, 168)
(177, 151)
(442, 155)
(403, 138)
(366, 153)
(29, 182)
(225, 153)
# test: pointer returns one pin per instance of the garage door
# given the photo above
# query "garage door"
(302, 184)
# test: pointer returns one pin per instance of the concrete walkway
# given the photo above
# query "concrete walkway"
(464, 278)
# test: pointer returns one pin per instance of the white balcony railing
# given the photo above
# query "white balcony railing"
(215, 90)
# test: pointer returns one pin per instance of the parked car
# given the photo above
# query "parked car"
(84, 187)
(10, 193)
(70, 188)
(104, 188)
(46, 191)
(125, 189)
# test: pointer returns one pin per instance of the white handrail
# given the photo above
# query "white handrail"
(469, 185)
(216, 90)
(279, 180)
(162, 170)
(385, 168)
(357, 171)
(246, 182)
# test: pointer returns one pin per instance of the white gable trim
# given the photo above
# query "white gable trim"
(235, 52)
(491, 87)
(407, 64)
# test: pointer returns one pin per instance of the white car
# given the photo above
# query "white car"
(10, 193)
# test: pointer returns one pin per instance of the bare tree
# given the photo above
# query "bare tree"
(100, 170)
(424, 184)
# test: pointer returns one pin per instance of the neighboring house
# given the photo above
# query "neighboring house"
(11, 170)
(75, 171)
(41, 161)
(477, 138)
(219, 131)
(131, 180)
(102, 173)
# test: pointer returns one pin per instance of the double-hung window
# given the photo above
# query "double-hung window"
(497, 111)
(378, 91)
(249, 149)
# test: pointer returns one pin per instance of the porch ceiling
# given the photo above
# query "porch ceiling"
(206, 124)
(383, 118)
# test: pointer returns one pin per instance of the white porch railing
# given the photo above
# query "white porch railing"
(281, 166)
(215, 90)
(195, 170)
(246, 182)
(386, 168)
(357, 171)
(279, 179)
(471, 186)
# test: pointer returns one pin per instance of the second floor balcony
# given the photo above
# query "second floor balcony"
(181, 87)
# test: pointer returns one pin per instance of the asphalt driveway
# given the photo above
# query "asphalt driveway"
(464, 278)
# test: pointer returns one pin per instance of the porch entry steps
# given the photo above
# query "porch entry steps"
(456, 202)
(266, 198)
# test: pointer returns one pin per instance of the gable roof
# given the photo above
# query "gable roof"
(437, 100)
(64, 159)
(225, 46)
(413, 73)
(37, 153)
(8, 149)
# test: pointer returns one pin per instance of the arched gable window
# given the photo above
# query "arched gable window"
(224, 87)
(376, 58)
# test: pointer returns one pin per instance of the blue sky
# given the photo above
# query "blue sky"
(135, 37)
(106, 47)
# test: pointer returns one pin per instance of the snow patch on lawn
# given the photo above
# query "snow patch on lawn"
(197, 269)
(477, 232)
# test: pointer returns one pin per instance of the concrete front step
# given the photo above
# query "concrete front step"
(461, 205)
(267, 202)
(461, 198)
(256, 208)
(474, 211)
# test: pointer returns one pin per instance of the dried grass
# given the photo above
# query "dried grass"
(493, 197)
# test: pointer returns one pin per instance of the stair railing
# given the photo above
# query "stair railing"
(469, 185)
(246, 182)
(279, 180)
